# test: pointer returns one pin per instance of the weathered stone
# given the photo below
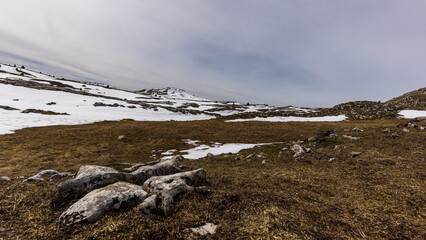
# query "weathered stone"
(39, 176)
(121, 137)
(297, 150)
(355, 154)
(386, 130)
(96, 203)
(405, 130)
(350, 137)
(395, 135)
(170, 187)
(264, 162)
(208, 228)
(149, 206)
(313, 139)
(60, 176)
(4, 178)
(92, 177)
(357, 129)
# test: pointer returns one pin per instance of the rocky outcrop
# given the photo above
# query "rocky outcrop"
(92, 177)
(96, 203)
(169, 187)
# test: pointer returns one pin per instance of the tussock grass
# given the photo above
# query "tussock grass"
(377, 195)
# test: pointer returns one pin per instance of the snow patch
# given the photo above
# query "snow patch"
(412, 113)
(294, 119)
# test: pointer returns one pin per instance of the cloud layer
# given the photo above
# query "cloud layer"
(305, 53)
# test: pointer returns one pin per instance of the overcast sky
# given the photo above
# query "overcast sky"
(281, 52)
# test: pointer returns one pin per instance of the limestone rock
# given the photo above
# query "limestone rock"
(39, 176)
(208, 228)
(297, 150)
(355, 154)
(149, 206)
(4, 178)
(170, 187)
(92, 177)
(96, 203)
(351, 137)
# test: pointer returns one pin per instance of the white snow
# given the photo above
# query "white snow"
(218, 149)
(412, 113)
(293, 119)
(79, 107)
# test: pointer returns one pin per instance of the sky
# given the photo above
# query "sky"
(315, 53)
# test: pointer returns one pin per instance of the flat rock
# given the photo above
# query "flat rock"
(39, 176)
(4, 178)
(351, 137)
(297, 150)
(208, 228)
(355, 154)
(96, 203)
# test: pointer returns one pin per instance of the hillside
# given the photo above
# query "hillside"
(32, 99)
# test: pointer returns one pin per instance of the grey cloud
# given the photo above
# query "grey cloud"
(306, 53)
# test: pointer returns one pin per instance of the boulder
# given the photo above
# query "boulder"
(149, 206)
(96, 203)
(170, 187)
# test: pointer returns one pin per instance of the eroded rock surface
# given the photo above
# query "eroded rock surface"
(169, 187)
(93, 177)
(96, 203)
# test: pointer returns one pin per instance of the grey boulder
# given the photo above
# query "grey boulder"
(96, 203)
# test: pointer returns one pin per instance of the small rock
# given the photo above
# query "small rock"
(421, 128)
(357, 129)
(405, 130)
(355, 154)
(261, 155)
(121, 137)
(386, 130)
(297, 150)
(4, 178)
(328, 132)
(313, 139)
(331, 159)
(210, 155)
(394, 135)
(336, 147)
(39, 176)
(333, 135)
(251, 155)
(238, 158)
(284, 149)
(208, 228)
(350, 137)
(308, 150)
(264, 162)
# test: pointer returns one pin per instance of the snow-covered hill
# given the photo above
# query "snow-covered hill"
(29, 98)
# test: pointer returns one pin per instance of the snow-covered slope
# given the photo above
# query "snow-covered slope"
(29, 98)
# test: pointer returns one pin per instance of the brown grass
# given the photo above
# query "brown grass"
(378, 195)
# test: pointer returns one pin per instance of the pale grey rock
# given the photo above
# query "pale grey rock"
(264, 162)
(386, 130)
(149, 206)
(121, 137)
(351, 137)
(92, 177)
(297, 150)
(395, 135)
(284, 149)
(60, 176)
(313, 139)
(4, 178)
(96, 203)
(39, 176)
(208, 228)
(405, 130)
(355, 154)
(331, 159)
(169, 187)
(357, 129)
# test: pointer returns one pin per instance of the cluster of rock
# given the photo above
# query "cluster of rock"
(152, 187)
